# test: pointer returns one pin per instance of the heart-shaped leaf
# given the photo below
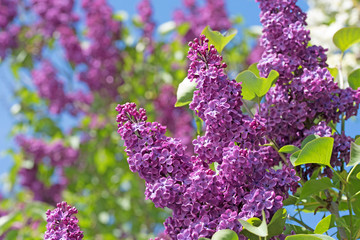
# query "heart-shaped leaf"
(354, 79)
(316, 151)
(261, 230)
(185, 92)
(346, 37)
(217, 39)
(225, 234)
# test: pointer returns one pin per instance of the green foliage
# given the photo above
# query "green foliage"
(308, 237)
(185, 92)
(316, 151)
(225, 234)
(346, 37)
(325, 224)
(315, 186)
(255, 87)
(354, 154)
(217, 39)
(277, 223)
(255, 226)
(354, 79)
(289, 149)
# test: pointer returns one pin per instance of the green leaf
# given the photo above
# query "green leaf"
(121, 16)
(315, 186)
(358, 175)
(167, 27)
(103, 160)
(204, 238)
(185, 91)
(308, 139)
(325, 224)
(294, 157)
(183, 28)
(217, 39)
(346, 37)
(290, 200)
(333, 71)
(289, 149)
(317, 151)
(255, 87)
(225, 234)
(277, 223)
(253, 68)
(308, 237)
(354, 154)
(354, 79)
(357, 140)
(261, 230)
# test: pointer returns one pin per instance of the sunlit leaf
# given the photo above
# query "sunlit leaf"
(289, 149)
(217, 39)
(225, 234)
(315, 186)
(185, 91)
(354, 79)
(317, 151)
(346, 37)
(308, 237)
(325, 224)
(260, 230)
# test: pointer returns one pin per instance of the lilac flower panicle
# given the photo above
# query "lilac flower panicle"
(62, 223)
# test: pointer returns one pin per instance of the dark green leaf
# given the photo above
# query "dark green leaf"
(346, 37)
(290, 200)
(354, 79)
(289, 149)
(325, 224)
(225, 234)
(317, 151)
(277, 223)
(185, 91)
(217, 39)
(315, 186)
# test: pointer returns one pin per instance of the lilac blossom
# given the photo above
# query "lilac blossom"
(8, 30)
(62, 223)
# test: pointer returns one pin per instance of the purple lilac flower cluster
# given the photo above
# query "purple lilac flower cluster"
(51, 89)
(102, 56)
(177, 120)
(145, 12)
(54, 154)
(202, 200)
(8, 31)
(54, 14)
(217, 101)
(62, 224)
(212, 13)
(305, 91)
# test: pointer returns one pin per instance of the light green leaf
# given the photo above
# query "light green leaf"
(277, 223)
(103, 160)
(255, 87)
(204, 238)
(294, 157)
(121, 16)
(217, 39)
(358, 175)
(289, 149)
(185, 91)
(357, 140)
(253, 68)
(308, 139)
(183, 28)
(225, 234)
(261, 230)
(354, 79)
(309, 237)
(325, 224)
(354, 154)
(317, 151)
(334, 72)
(346, 37)
(315, 186)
